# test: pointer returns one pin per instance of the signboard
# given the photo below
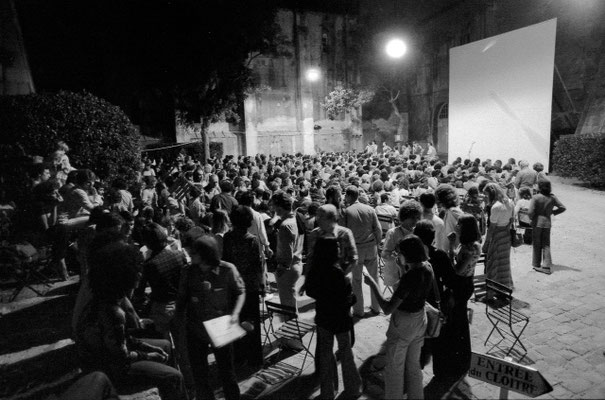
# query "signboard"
(508, 375)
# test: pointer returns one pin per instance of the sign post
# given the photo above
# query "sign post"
(508, 375)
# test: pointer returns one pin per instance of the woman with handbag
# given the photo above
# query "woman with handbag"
(408, 325)
(497, 243)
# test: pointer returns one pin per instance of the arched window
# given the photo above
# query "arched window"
(443, 112)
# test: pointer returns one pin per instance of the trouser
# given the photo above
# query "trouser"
(327, 363)
(541, 247)
(368, 257)
(286, 284)
(250, 347)
(154, 374)
(198, 359)
(93, 386)
(162, 315)
(405, 337)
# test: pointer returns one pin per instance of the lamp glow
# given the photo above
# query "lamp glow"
(395, 48)
(313, 74)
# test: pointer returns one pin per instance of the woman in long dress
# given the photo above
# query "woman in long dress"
(497, 243)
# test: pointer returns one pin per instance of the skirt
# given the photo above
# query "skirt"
(497, 257)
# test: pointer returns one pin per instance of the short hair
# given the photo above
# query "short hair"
(353, 192)
(114, 270)
(385, 197)
(469, 229)
(155, 237)
(206, 247)
(247, 198)
(241, 217)
(425, 230)
(545, 187)
(408, 209)
(525, 193)
(283, 200)
(446, 195)
(329, 211)
(427, 200)
(107, 221)
(412, 249)
(226, 186)
(538, 167)
(83, 176)
(184, 224)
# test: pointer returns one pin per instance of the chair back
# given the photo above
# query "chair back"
(500, 290)
(276, 308)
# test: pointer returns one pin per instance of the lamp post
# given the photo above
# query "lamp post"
(395, 49)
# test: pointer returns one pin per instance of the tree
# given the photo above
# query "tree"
(348, 101)
(188, 55)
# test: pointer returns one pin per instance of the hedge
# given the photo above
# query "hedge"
(582, 157)
(99, 134)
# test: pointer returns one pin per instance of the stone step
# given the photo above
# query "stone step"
(37, 367)
(34, 322)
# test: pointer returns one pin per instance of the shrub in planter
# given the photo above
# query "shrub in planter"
(99, 134)
(582, 157)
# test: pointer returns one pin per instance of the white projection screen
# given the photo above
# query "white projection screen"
(501, 96)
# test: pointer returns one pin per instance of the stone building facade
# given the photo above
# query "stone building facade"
(284, 114)
(438, 26)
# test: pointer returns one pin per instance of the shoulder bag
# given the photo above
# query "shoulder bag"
(434, 317)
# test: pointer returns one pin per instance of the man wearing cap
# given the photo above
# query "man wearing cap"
(362, 220)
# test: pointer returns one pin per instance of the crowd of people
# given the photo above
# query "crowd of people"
(189, 241)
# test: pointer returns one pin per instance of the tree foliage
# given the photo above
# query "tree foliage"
(99, 134)
(582, 157)
(344, 100)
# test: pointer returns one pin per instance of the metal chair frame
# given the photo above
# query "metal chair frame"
(504, 316)
(293, 328)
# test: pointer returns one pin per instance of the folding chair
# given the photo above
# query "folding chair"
(506, 321)
(479, 281)
(26, 272)
(293, 329)
(381, 267)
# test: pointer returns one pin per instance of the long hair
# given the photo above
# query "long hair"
(469, 229)
(496, 193)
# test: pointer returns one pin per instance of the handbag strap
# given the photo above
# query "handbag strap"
(436, 290)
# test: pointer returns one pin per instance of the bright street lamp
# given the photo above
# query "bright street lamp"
(313, 74)
(395, 48)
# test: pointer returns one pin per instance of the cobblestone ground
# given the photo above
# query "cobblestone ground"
(566, 333)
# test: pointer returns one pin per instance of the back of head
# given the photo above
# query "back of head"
(241, 217)
(427, 200)
(207, 248)
(446, 195)
(352, 192)
(412, 249)
(282, 200)
(226, 186)
(545, 187)
(425, 231)
(409, 209)
(155, 237)
(328, 248)
(469, 229)
(114, 270)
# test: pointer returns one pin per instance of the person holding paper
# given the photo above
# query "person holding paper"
(209, 288)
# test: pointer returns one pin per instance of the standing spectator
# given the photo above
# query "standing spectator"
(525, 177)
(410, 213)
(405, 334)
(162, 271)
(125, 202)
(386, 212)
(362, 220)
(224, 200)
(329, 286)
(428, 200)
(497, 243)
(209, 288)
(447, 199)
(242, 249)
(288, 254)
(541, 207)
(220, 225)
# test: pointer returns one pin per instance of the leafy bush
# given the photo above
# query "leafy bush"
(582, 157)
(99, 134)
